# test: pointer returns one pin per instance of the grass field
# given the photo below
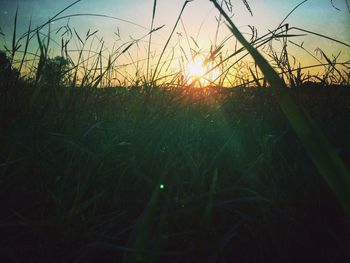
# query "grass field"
(171, 173)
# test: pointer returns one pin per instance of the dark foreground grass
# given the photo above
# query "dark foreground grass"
(199, 175)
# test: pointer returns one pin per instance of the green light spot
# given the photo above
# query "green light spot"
(161, 186)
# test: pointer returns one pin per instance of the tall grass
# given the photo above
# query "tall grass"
(150, 168)
(330, 166)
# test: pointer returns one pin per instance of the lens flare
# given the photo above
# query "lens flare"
(196, 68)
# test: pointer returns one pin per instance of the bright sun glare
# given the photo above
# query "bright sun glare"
(197, 71)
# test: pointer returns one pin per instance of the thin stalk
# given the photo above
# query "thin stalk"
(150, 37)
(167, 43)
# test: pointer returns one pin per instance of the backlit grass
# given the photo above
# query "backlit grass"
(168, 166)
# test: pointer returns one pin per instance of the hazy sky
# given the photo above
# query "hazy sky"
(314, 13)
(198, 18)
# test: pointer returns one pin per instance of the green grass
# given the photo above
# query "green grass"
(316, 144)
(85, 184)
(156, 170)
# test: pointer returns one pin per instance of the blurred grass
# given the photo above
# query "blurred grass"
(85, 184)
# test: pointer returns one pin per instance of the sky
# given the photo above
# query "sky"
(198, 20)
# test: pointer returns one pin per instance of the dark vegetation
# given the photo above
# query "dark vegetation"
(166, 173)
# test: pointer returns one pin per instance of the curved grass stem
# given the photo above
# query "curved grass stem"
(316, 144)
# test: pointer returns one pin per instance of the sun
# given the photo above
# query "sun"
(196, 68)
(199, 71)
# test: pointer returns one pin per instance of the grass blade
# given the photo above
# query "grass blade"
(323, 155)
(14, 42)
